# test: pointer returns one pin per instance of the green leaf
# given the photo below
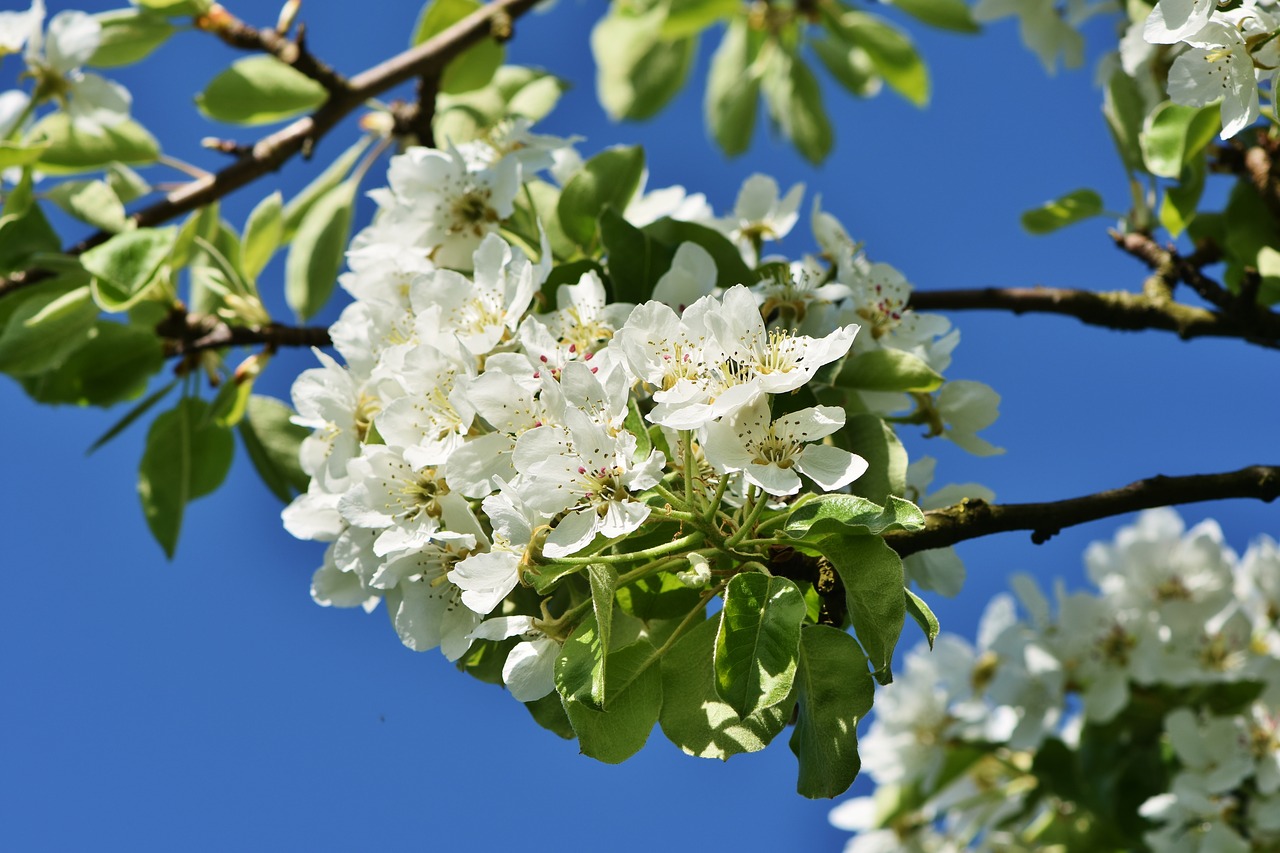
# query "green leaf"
(892, 53)
(129, 36)
(259, 90)
(924, 617)
(733, 88)
(127, 184)
(635, 260)
(125, 267)
(93, 202)
(273, 444)
(580, 666)
(298, 207)
(113, 365)
(689, 17)
(637, 72)
(888, 370)
(694, 717)
(1124, 108)
(187, 456)
(474, 67)
(850, 65)
(852, 515)
(1249, 228)
(608, 179)
(24, 233)
(176, 8)
(795, 102)
(951, 15)
(18, 154)
(615, 735)
(657, 596)
(1069, 209)
(873, 440)
(1175, 134)
(41, 327)
(263, 232)
(1178, 209)
(604, 581)
(755, 657)
(70, 150)
(317, 254)
(834, 693)
(730, 268)
(549, 713)
(873, 584)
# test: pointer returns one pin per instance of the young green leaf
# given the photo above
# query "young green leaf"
(316, 256)
(924, 617)
(127, 184)
(125, 267)
(1173, 135)
(608, 179)
(730, 268)
(93, 202)
(187, 456)
(888, 370)
(850, 514)
(580, 666)
(263, 232)
(604, 581)
(41, 327)
(1071, 208)
(733, 89)
(835, 692)
(474, 67)
(131, 416)
(638, 71)
(689, 17)
(755, 657)
(873, 440)
(68, 150)
(298, 206)
(259, 90)
(273, 442)
(951, 15)
(129, 36)
(795, 102)
(1178, 208)
(850, 65)
(892, 53)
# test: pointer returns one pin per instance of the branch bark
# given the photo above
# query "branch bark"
(971, 519)
(185, 334)
(271, 152)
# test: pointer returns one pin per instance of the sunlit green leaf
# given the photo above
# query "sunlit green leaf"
(1071, 208)
(259, 90)
(835, 692)
(317, 254)
(755, 656)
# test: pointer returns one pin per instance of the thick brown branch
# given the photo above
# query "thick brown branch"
(974, 518)
(416, 119)
(1113, 310)
(271, 152)
(185, 334)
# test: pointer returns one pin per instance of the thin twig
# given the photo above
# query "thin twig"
(271, 152)
(185, 334)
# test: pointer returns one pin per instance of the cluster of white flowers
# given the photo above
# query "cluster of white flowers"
(478, 429)
(55, 57)
(1226, 52)
(1178, 653)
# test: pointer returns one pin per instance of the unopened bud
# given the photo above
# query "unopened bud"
(698, 574)
(288, 13)
(216, 19)
(380, 123)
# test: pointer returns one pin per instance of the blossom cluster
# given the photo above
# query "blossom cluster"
(1225, 53)
(1166, 682)
(488, 418)
(55, 56)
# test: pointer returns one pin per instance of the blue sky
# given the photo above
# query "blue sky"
(208, 704)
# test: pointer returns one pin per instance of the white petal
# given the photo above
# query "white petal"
(529, 672)
(73, 38)
(830, 467)
(574, 532)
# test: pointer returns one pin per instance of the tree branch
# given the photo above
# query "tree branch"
(1109, 309)
(292, 52)
(185, 334)
(971, 519)
(271, 152)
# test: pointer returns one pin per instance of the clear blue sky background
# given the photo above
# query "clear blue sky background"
(208, 704)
